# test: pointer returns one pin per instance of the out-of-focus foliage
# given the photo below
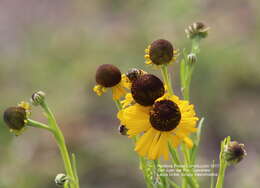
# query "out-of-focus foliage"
(55, 46)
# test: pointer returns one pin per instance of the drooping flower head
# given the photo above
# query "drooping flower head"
(109, 76)
(16, 117)
(168, 120)
(160, 52)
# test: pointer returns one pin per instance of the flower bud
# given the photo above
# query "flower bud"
(192, 58)
(38, 98)
(197, 29)
(161, 52)
(61, 179)
(134, 73)
(146, 89)
(15, 118)
(122, 130)
(234, 152)
(108, 75)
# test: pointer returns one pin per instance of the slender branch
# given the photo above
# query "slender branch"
(37, 124)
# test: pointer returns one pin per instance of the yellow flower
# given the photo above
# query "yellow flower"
(128, 100)
(169, 120)
(109, 76)
(160, 52)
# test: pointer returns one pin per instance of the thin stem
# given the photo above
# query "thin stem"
(118, 104)
(221, 175)
(212, 177)
(143, 166)
(184, 183)
(167, 79)
(74, 166)
(175, 161)
(61, 144)
(223, 164)
(37, 124)
(172, 183)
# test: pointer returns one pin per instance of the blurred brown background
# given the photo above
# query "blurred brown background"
(56, 46)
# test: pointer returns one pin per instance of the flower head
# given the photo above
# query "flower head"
(168, 120)
(146, 89)
(234, 152)
(16, 117)
(109, 76)
(160, 52)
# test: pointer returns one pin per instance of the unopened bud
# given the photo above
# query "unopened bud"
(134, 73)
(192, 58)
(61, 179)
(38, 98)
(234, 152)
(197, 29)
(122, 130)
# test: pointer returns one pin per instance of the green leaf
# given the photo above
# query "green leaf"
(195, 148)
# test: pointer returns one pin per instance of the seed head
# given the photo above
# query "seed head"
(146, 89)
(161, 52)
(108, 75)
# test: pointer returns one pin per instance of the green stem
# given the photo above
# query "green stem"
(223, 164)
(212, 177)
(145, 172)
(142, 160)
(172, 183)
(61, 144)
(74, 166)
(221, 175)
(184, 183)
(37, 124)
(167, 78)
(118, 105)
(175, 161)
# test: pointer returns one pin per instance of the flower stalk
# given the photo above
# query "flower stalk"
(61, 144)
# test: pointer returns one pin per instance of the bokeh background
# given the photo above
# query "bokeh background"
(56, 46)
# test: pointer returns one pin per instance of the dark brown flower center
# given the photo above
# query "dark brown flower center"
(108, 75)
(146, 89)
(165, 115)
(161, 52)
(14, 117)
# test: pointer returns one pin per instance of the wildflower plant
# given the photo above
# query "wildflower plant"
(17, 119)
(165, 126)
(162, 125)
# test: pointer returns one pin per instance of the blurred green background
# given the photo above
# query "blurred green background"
(56, 46)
